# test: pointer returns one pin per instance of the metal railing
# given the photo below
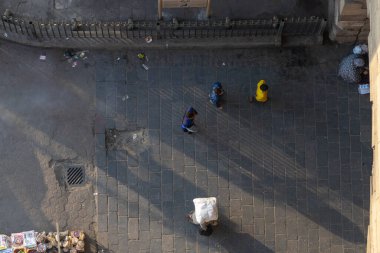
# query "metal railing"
(132, 30)
(304, 26)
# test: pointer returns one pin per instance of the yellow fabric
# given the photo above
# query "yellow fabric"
(261, 96)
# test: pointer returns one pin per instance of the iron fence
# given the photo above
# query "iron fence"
(304, 26)
(46, 30)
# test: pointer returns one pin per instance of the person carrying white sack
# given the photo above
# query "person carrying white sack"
(205, 214)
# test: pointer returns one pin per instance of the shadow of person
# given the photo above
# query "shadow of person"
(226, 238)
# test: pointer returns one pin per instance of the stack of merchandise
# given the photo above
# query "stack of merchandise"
(34, 242)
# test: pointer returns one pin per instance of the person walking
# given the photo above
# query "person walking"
(205, 214)
(261, 92)
(188, 120)
(216, 94)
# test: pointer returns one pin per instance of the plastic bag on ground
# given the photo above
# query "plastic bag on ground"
(363, 89)
(205, 209)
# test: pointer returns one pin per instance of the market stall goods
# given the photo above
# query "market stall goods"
(42, 242)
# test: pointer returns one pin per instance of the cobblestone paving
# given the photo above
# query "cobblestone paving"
(291, 175)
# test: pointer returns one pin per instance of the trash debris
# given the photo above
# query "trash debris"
(74, 56)
(134, 137)
(141, 56)
(118, 58)
(148, 39)
(43, 57)
(145, 67)
(7, 14)
(125, 97)
(223, 64)
(6, 35)
(363, 89)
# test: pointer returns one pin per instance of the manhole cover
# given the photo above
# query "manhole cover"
(75, 176)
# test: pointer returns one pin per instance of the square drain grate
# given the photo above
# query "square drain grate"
(75, 176)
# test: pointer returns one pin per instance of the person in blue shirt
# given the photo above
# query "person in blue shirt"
(216, 94)
(188, 120)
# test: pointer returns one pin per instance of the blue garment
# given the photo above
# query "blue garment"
(216, 85)
(186, 121)
(214, 97)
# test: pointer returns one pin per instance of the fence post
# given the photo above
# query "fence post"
(34, 31)
(39, 29)
(158, 28)
(117, 26)
(89, 29)
(322, 27)
(96, 30)
(9, 25)
(52, 27)
(125, 29)
(59, 31)
(14, 23)
(108, 29)
(159, 9)
(208, 9)
(278, 39)
(64, 29)
(2, 20)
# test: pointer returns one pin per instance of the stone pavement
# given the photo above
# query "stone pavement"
(46, 117)
(147, 9)
(291, 175)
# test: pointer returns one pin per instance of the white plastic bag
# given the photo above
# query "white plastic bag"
(205, 209)
(360, 49)
(363, 89)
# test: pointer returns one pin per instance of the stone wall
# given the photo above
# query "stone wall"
(373, 245)
(350, 22)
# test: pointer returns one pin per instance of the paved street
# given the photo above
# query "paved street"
(147, 9)
(46, 117)
(291, 175)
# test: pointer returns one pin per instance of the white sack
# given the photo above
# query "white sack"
(205, 209)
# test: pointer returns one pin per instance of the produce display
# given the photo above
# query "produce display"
(35, 242)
